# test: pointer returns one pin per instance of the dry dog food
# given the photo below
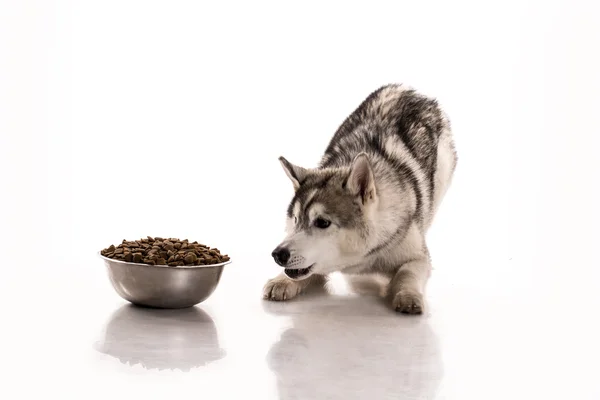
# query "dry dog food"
(159, 251)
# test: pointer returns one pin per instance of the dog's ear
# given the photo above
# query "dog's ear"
(361, 181)
(294, 172)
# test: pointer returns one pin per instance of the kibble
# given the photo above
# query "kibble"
(171, 252)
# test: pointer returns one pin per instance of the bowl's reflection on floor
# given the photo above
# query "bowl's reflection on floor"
(333, 351)
(161, 339)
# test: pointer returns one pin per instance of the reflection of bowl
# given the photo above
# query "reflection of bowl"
(161, 286)
(161, 339)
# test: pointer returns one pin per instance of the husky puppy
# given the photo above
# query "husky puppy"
(368, 205)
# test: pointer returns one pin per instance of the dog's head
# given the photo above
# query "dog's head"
(328, 219)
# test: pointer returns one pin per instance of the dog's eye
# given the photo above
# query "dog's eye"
(322, 223)
(295, 220)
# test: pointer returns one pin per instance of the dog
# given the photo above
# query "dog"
(369, 204)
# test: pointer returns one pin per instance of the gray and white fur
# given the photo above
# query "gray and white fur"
(368, 205)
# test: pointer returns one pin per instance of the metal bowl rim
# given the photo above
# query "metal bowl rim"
(164, 266)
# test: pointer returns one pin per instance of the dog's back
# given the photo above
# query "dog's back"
(405, 131)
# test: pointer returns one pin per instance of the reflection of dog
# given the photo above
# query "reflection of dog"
(369, 204)
(161, 339)
(345, 358)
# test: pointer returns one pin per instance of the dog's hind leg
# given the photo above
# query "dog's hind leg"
(282, 288)
(407, 287)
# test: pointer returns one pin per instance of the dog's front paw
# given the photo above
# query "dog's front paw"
(408, 302)
(278, 289)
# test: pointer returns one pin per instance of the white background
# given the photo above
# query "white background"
(121, 119)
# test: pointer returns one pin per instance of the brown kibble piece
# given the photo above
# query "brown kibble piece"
(190, 258)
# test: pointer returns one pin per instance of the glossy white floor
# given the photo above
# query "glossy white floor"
(486, 336)
(121, 119)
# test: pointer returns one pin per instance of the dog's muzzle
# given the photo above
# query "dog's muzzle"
(293, 264)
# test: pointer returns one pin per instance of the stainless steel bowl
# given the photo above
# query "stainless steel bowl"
(162, 286)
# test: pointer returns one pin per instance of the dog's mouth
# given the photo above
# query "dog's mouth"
(298, 273)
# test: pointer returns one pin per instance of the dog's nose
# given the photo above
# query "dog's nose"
(281, 255)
